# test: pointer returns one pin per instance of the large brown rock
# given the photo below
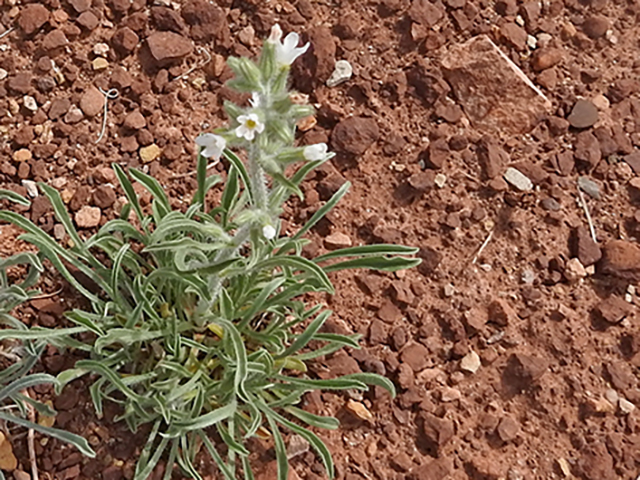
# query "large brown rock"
(33, 17)
(355, 135)
(166, 47)
(621, 259)
(494, 93)
(208, 21)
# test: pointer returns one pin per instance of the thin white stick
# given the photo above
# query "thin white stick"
(588, 215)
(31, 441)
(196, 66)
(483, 246)
(2, 35)
(108, 95)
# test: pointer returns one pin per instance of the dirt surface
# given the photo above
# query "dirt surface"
(515, 345)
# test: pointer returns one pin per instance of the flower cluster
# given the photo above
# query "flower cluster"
(269, 120)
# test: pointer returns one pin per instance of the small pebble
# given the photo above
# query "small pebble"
(574, 271)
(30, 103)
(532, 42)
(601, 102)
(518, 179)
(58, 231)
(3, 74)
(550, 204)
(342, 72)
(22, 155)
(544, 39)
(99, 63)
(626, 406)
(150, 153)
(32, 188)
(100, 49)
(470, 362)
(527, 276)
(449, 290)
(583, 115)
(612, 396)
(450, 394)
(440, 180)
(589, 187)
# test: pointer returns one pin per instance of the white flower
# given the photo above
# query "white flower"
(212, 145)
(288, 51)
(268, 232)
(250, 124)
(255, 100)
(315, 152)
(276, 34)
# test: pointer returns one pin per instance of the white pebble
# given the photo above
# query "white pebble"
(32, 188)
(100, 49)
(626, 406)
(3, 74)
(30, 103)
(532, 42)
(342, 72)
(518, 179)
(440, 180)
(544, 39)
(470, 362)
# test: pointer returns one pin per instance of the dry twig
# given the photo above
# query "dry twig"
(483, 246)
(31, 441)
(108, 95)
(588, 215)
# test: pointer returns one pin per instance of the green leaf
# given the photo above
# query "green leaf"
(240, 168)
(375, 263)
(306, 336)
(318, 421)
(14, 197)
(200, 194)
(298, 263)
(77, 441)
(61, 214)
(130, 193)
(26, 382)
(154, 188)
(228, 474)
(373, 379)
(281, 450)
(204, 421)
(39, 333)
(322, 211)
(340, 383)
(368, 250)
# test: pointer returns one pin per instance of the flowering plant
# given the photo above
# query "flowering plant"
(198, 323)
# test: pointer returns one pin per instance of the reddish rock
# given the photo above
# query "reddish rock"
(167, 19)
(583, 247)
(621, 259)
(527, 368)
(388, 312)
(120, 78)
(337, 240)
(33, 17)
(583, 115)
(558, 126)
(88, 217)
(20, 82)
(104, 196)
(167, 47)
(438, 431)
(426, 13)
(125, 40)
(431, 259)
(614, 309)
(508, 429)
(416, 356)
(621, 376)
(92, 101)
(135, 121)
(59, 107)
(515, 35)
(112, 472)
(54, 40)
(355, 135)
(207, 21)
(120, 6)
(623, 89)
(501, 313)
(88, 20)
(437, 154)
(80, 5)
(428, 84)
(478, 71)
(587, 149)
(439, 469)
(492, 158)
(546, 57)
(596, 26)
(597, 463)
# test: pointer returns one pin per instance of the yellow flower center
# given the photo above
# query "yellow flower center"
(251, 124)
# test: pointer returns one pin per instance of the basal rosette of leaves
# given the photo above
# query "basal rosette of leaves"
(19, 357)
(198, 319)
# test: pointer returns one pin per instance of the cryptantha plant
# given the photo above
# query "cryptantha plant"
(198, 319)
(18, 357)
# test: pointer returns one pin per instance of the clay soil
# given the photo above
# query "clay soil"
(511, 276)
